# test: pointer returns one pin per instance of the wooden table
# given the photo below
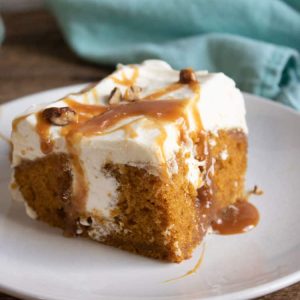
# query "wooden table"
(34, 57)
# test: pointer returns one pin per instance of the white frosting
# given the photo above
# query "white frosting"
(220, 106)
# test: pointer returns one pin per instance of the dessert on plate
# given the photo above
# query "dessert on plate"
(144, 160)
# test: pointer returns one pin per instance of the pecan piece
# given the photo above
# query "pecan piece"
(115, 96)
(59, 116)
(187, 76)
(133, 93)
(257, 191)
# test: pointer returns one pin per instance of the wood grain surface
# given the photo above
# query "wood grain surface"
(34, 57)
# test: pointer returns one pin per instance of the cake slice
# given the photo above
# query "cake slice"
(143, 161)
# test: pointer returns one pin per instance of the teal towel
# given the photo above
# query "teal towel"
(1, 31)
(256, 42)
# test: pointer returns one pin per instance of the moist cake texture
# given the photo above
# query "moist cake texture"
(144, 160)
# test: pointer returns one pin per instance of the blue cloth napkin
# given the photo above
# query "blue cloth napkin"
(256, 42)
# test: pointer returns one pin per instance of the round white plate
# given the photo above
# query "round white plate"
(36, 261)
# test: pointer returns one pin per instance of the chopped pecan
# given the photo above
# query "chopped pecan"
(85, 221)
(133, 93)
(257, 191)
(59, 116)
(187, 76)
(115, 96)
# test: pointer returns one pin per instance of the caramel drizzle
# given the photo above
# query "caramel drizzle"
(80, 189)
(17, 121)
(43, 130)
(164, 91)
(125, 80)
(195, 87)
(129, 131)
(95, 119)
(160, 140)
(95, 94)
(85, 111)
(85, 98)
(158, 110)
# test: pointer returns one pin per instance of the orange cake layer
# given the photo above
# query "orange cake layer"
(155, 217)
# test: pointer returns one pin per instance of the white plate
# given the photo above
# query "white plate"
(36, 261)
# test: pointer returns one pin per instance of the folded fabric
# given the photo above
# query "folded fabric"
(1, 31)
(255, 42)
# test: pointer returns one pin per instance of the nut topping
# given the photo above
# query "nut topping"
(59, 116)
(115, 96)
(256, 191)
(187, 76)
(132, 93)
(86, 221)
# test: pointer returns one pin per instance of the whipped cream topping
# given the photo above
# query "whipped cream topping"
(139, 140)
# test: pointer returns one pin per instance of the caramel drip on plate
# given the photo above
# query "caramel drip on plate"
(127, 81)
(194, 269)
(237, 218)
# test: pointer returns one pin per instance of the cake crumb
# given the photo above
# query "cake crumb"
(212, 142)
(79, 231)
(177, 251)
(30, 212)
(224, 154)
(167, 232)
(255, 191)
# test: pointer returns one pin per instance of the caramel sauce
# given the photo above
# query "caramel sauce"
(160, 140)
(159, 110)
(129, 131)
(194, 269)
(85, 111)
(195, 87)
(85, 98)
(16, 122)
(43, 130)
(127, 81)
(95, 94)
(237, 218)
(80, 188)
(164, 91)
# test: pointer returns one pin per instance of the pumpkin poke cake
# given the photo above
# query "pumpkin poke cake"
(143, 161)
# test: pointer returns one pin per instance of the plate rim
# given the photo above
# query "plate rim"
(249, 293)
